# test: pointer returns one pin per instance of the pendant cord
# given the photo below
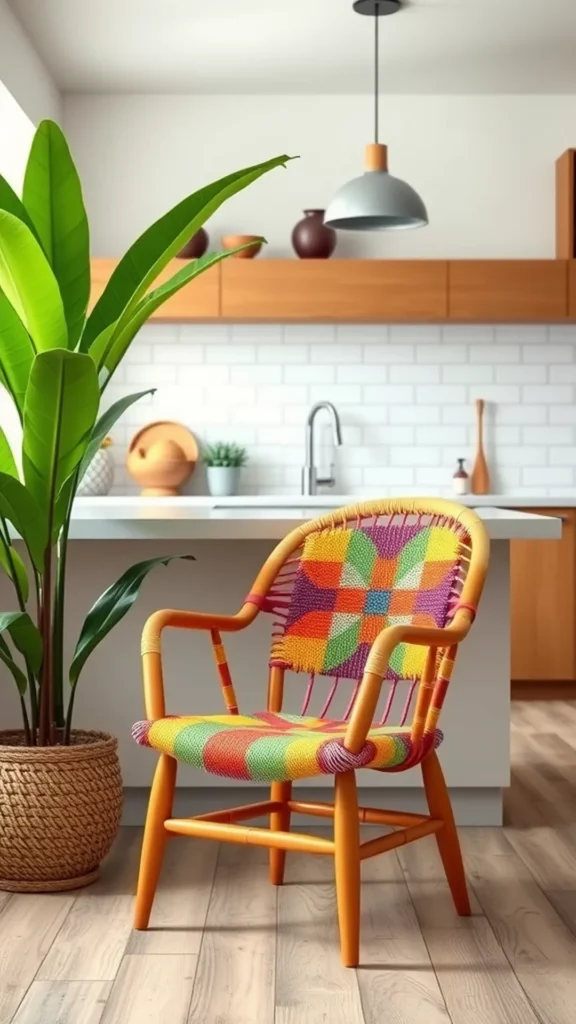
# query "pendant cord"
(376, 62)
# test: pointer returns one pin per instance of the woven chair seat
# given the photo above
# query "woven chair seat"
(268, 747)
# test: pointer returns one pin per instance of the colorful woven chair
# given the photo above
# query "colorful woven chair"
(374, 596)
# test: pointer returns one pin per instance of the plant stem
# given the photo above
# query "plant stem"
(47, 679)
(27, 731)
(30, 735)
(58, 631)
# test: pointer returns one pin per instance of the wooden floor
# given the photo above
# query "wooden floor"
(227, 948)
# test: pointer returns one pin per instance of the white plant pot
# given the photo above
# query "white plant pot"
(99, 476)
(222, 480)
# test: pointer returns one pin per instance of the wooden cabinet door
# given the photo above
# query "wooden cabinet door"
(493, 291)
(572, 289)
(543, 604)
(199, 300)
(335, 291)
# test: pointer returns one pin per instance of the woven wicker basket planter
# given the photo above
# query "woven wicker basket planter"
(60, 810)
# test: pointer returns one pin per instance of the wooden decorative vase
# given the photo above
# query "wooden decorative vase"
(60, 810)
(161, 457)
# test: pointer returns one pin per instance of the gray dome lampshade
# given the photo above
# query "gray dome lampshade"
(376, 201)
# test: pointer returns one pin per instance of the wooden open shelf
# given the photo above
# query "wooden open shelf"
(370, 291)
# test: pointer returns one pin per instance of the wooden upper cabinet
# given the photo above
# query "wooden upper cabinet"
(495, 291)
(572, 289)
(335, 290)
(198, 300)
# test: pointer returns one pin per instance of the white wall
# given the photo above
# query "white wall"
(23, 73)
(483, 164)
(405, 396)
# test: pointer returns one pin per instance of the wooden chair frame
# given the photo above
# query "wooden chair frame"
(345, 846)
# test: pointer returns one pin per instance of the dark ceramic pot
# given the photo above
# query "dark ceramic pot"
(311, 239)
(196, 247)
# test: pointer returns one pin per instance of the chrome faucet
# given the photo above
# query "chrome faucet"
(310, 480)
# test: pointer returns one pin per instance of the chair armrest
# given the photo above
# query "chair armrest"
(152, 644)
(377, 664)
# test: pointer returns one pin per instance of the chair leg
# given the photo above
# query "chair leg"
(279, 822)
(447, 838)
(347, 858)
(159, 809)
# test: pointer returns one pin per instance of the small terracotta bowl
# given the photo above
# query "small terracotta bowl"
(233, 241)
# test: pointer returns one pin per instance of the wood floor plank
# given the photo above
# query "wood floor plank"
(564, 904)
(475, 977)
(119, 871)
(396, 978)
(537, 943)
(64, 1002)
(549, 853)
(92, 940)
(152, 990)
(4, 897)
(181, 903)
(235, 978)
(28, 927)
(312, 986)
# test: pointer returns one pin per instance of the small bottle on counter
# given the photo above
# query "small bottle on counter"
(461, 480)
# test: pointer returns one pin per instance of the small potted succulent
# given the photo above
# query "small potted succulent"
(223, 463)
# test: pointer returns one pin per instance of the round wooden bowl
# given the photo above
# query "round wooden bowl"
(233, 241)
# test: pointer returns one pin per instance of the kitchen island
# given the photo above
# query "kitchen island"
(230, 539)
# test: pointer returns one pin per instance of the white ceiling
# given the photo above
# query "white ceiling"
(285, 46)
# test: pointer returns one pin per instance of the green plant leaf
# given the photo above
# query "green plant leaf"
(16, 672)
(10, 202)
(13, 566)
(21, 509)
(105, 424)
(25, 637)
(140, 266)
(111, 608)
(59, 415)
(7, 463)
(16, 353)
(28, 283)
(100, 431)
(53, 197)
(108, 351)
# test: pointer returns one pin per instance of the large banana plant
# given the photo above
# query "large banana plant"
(56, 360)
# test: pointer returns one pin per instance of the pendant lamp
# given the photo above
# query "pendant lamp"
(376, 201)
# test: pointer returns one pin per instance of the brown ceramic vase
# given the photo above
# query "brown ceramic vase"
(196, 247)
(311, 238)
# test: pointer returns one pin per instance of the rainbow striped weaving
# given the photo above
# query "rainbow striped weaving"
(268, 747)
(352, 583)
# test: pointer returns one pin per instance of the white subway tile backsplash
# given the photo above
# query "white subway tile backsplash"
(441, 394)
(420, 455)
(231, 354)
(439, 354)
(414, 414)
(463, 373)
(388, 394)
(309, 374)
(562, 374)
(333, 354)
(521, 374)
(494, 354)
(283, 354)
(548, 435)
(255, 373)
(545, 354)
(552, 394)
(405, 394)
(414, 374)
(360, 374)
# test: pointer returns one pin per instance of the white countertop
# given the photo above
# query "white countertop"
(251, 518)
